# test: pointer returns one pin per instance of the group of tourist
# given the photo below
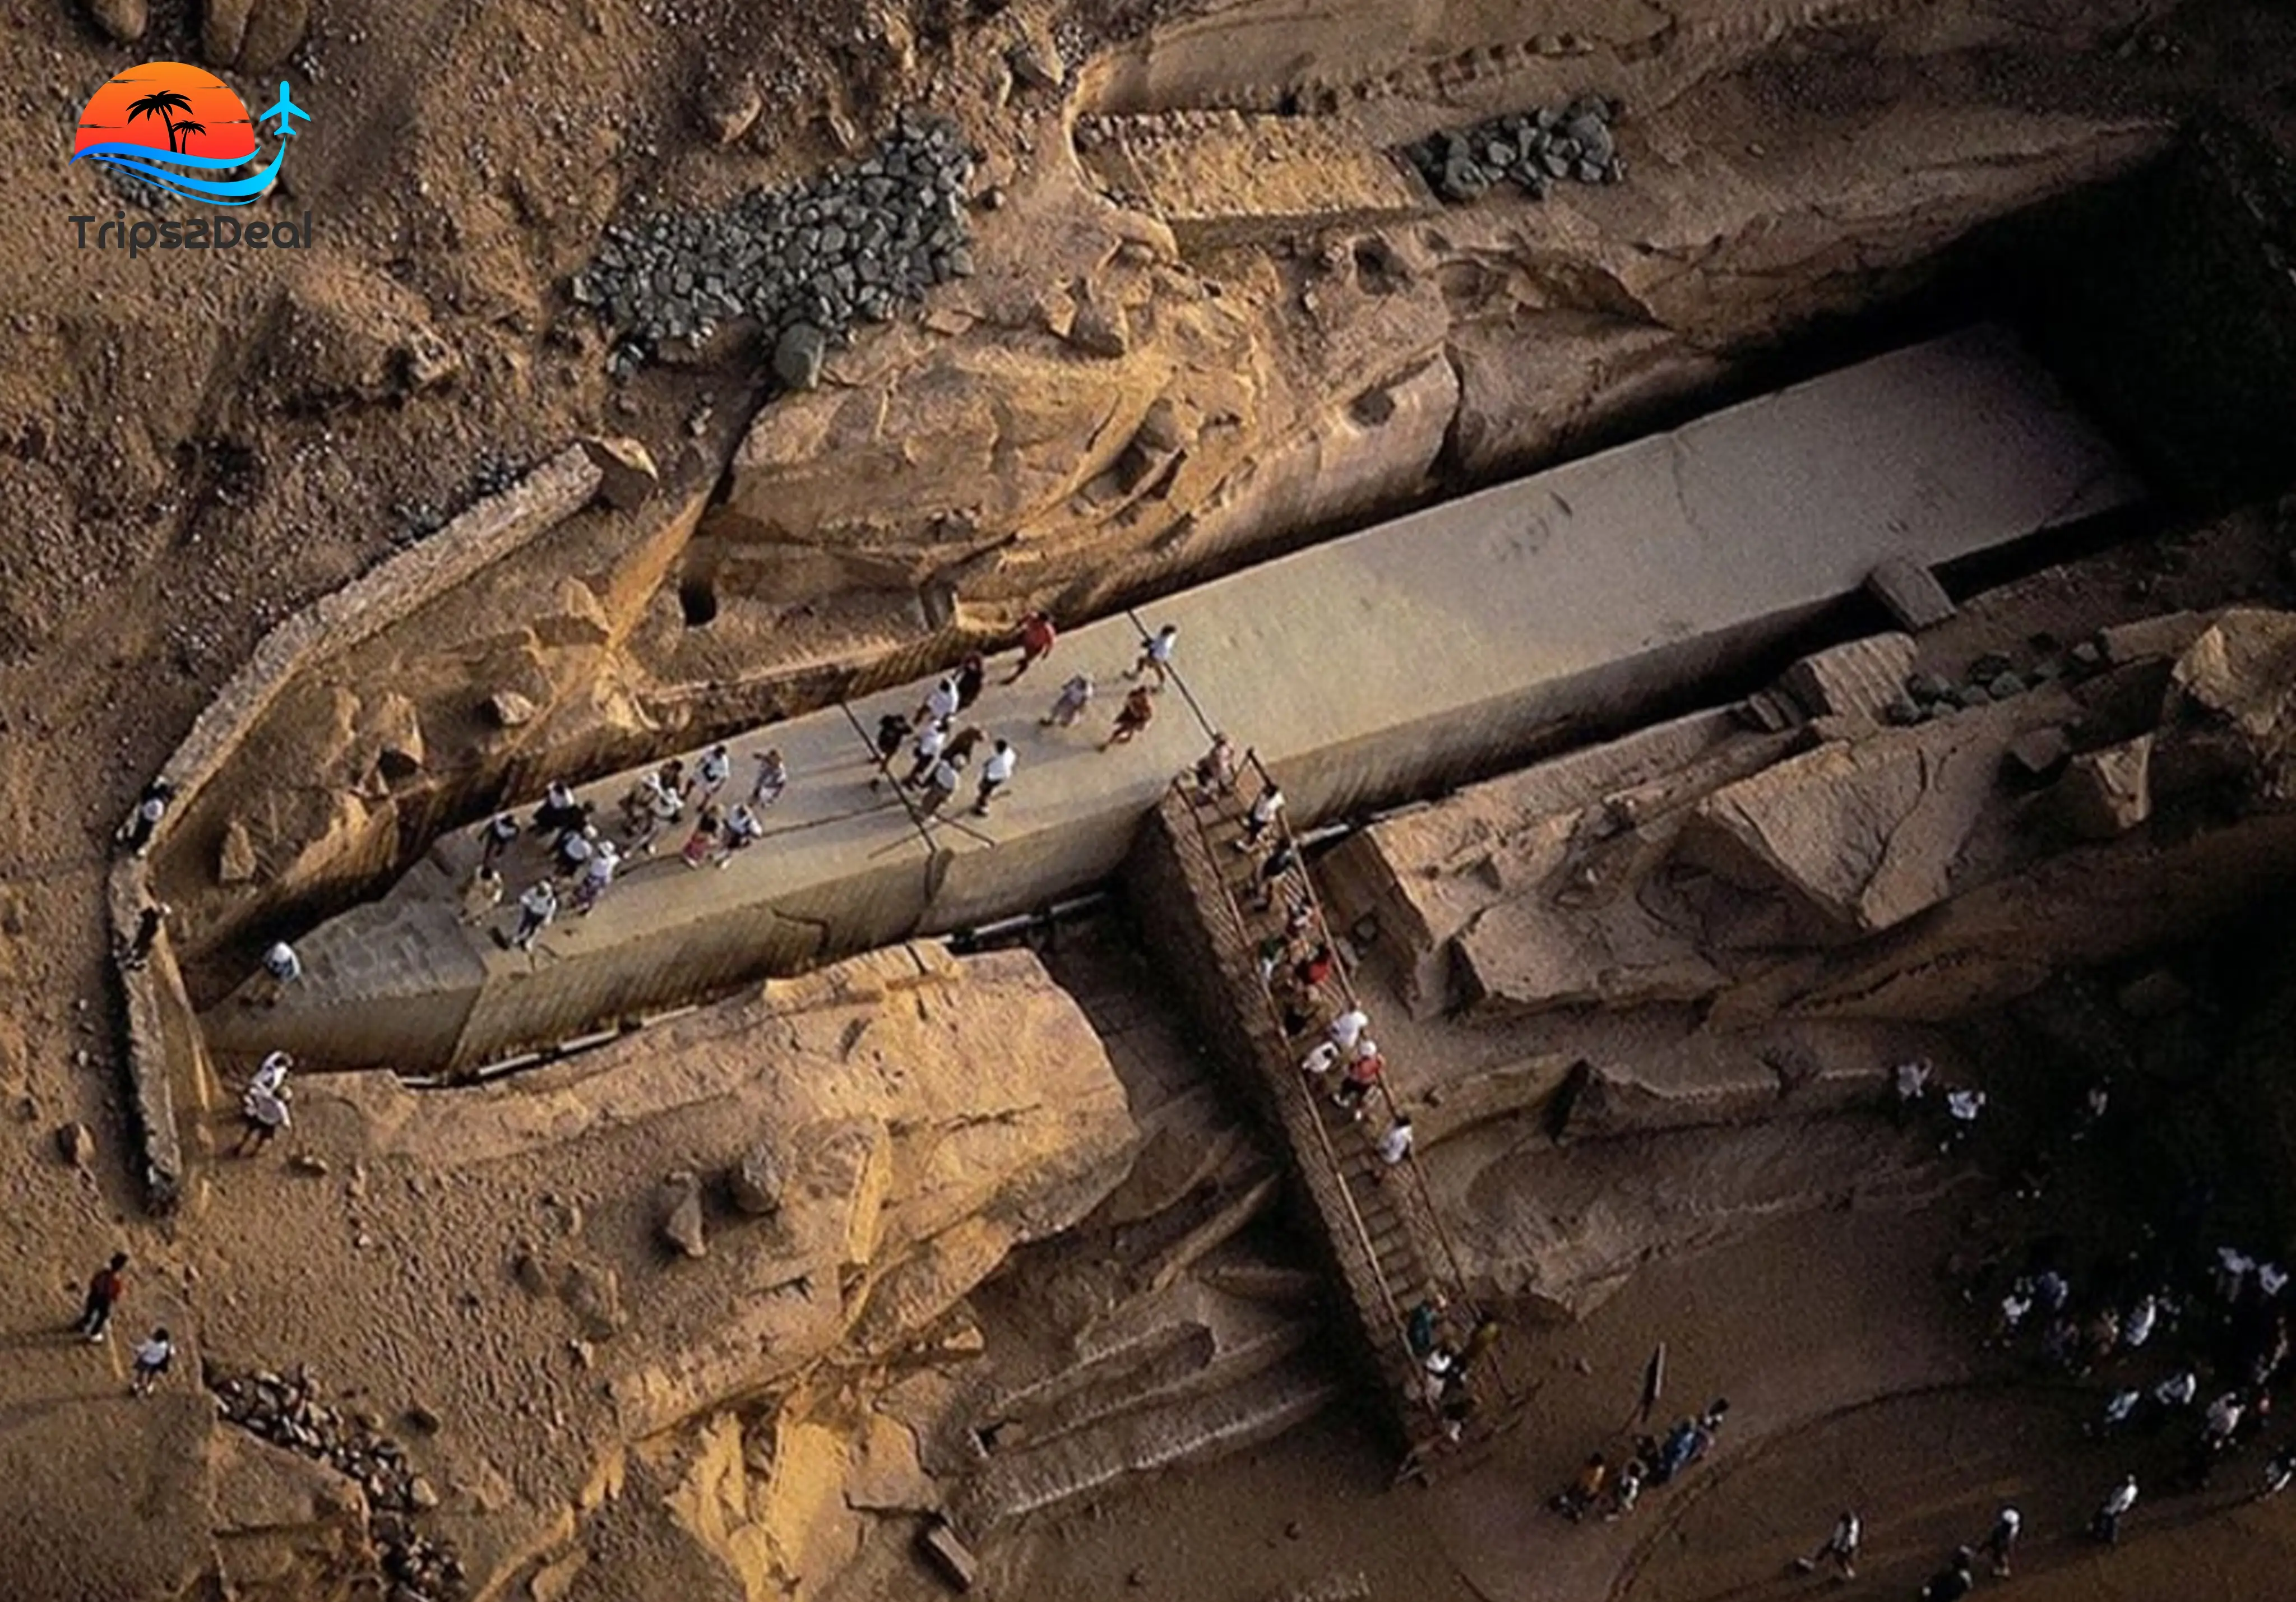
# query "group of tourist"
(154, 1355)
(581, 858)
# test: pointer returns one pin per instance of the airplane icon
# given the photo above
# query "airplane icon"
(284, 108)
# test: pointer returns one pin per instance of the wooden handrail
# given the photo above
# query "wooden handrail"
(1181, 788)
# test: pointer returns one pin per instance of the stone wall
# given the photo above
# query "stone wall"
(155, 1004)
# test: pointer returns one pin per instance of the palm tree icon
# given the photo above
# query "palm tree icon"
(184, 130)
(163, 105)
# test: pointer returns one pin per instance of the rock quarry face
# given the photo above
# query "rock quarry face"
(560, 1267)
(1709, 926)
(1179, 336)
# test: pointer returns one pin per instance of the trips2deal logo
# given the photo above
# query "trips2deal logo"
(183, 134)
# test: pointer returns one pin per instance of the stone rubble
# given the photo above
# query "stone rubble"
(850, 246)
(283, 1410)
(1533, 149)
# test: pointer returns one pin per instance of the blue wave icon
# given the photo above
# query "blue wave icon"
(142, 161)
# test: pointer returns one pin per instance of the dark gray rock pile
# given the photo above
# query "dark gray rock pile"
(284, 1412)
(803, 263)
(1531, 150)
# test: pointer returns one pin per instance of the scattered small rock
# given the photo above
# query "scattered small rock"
(308, 1162)
(757, 1182)
(681, 1215)
(798, 356)
(124, 19)
(76, 1145)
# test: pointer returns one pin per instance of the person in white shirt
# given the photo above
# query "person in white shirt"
(2136, 1328)
(271, 1073)
(2177, 1389)
(2106, 1527)
(597, 874)
(711, 772)
(941, 702)
(1961, 1108)
(1262, 815)
(281, 968)
(1156, 655)
(743, 830)
(1349, 1028)
(144, 823)
(1840, 1549)
(263, 1110)
(537, 909)
(1395, 1146)
(995, 773)
(1320, 1062)
(932, 739)
(152, 1359)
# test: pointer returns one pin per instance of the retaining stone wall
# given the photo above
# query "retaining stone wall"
(481, 536)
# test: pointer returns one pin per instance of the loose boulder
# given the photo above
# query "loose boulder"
(757, 1181)
(681, 1225)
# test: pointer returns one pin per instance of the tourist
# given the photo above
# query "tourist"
(1481, 1341)
(1628, 1489)
(2105, 1526)
(281, 968)
(104, 1289)
(1349, 1028)
(1955, 1581)
(271, 1072)
(597, 874)
(773, 778)
(482, 893)
(1261, 814)
(1577, 1500)
(2052, 1291)
(138, 951)
(1355, 1084)
(1068, 705)
(2177, 1389)
(1961, 1110)
(1839, 1548)
(263, 1114)
(703, 839)
(940, 786)
(743, 830)
(1394, 1146)
(660, 801)
(2278, 1472)
(2095, 1100)
(994, 774)
(1319, 1061)
(143, 821)
(498, 837)
(153, 1358)
(537, 909)
(2119, 1409)
(1139, 710)
(1420, 1325)
(2233, 1267)
(971, 673)
(1911, 1080)
(712, 771)
(571, 855)
(1684, 1444)
(1279, 862)
(940, 702)
(1272, 950)
(1215, 770)
(1310, 972)
(2009, 1316)
(2221, 1421)
(2001, 1540)
(2136, 1328)
(1037, 637)
(932, 739)
(1156, 655)
(559, 810)
(964, 742)
(892, 734)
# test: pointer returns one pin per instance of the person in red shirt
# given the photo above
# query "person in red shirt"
(104, 1292)
(1037, 637)
(1312, 969)
(1362, 1074)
